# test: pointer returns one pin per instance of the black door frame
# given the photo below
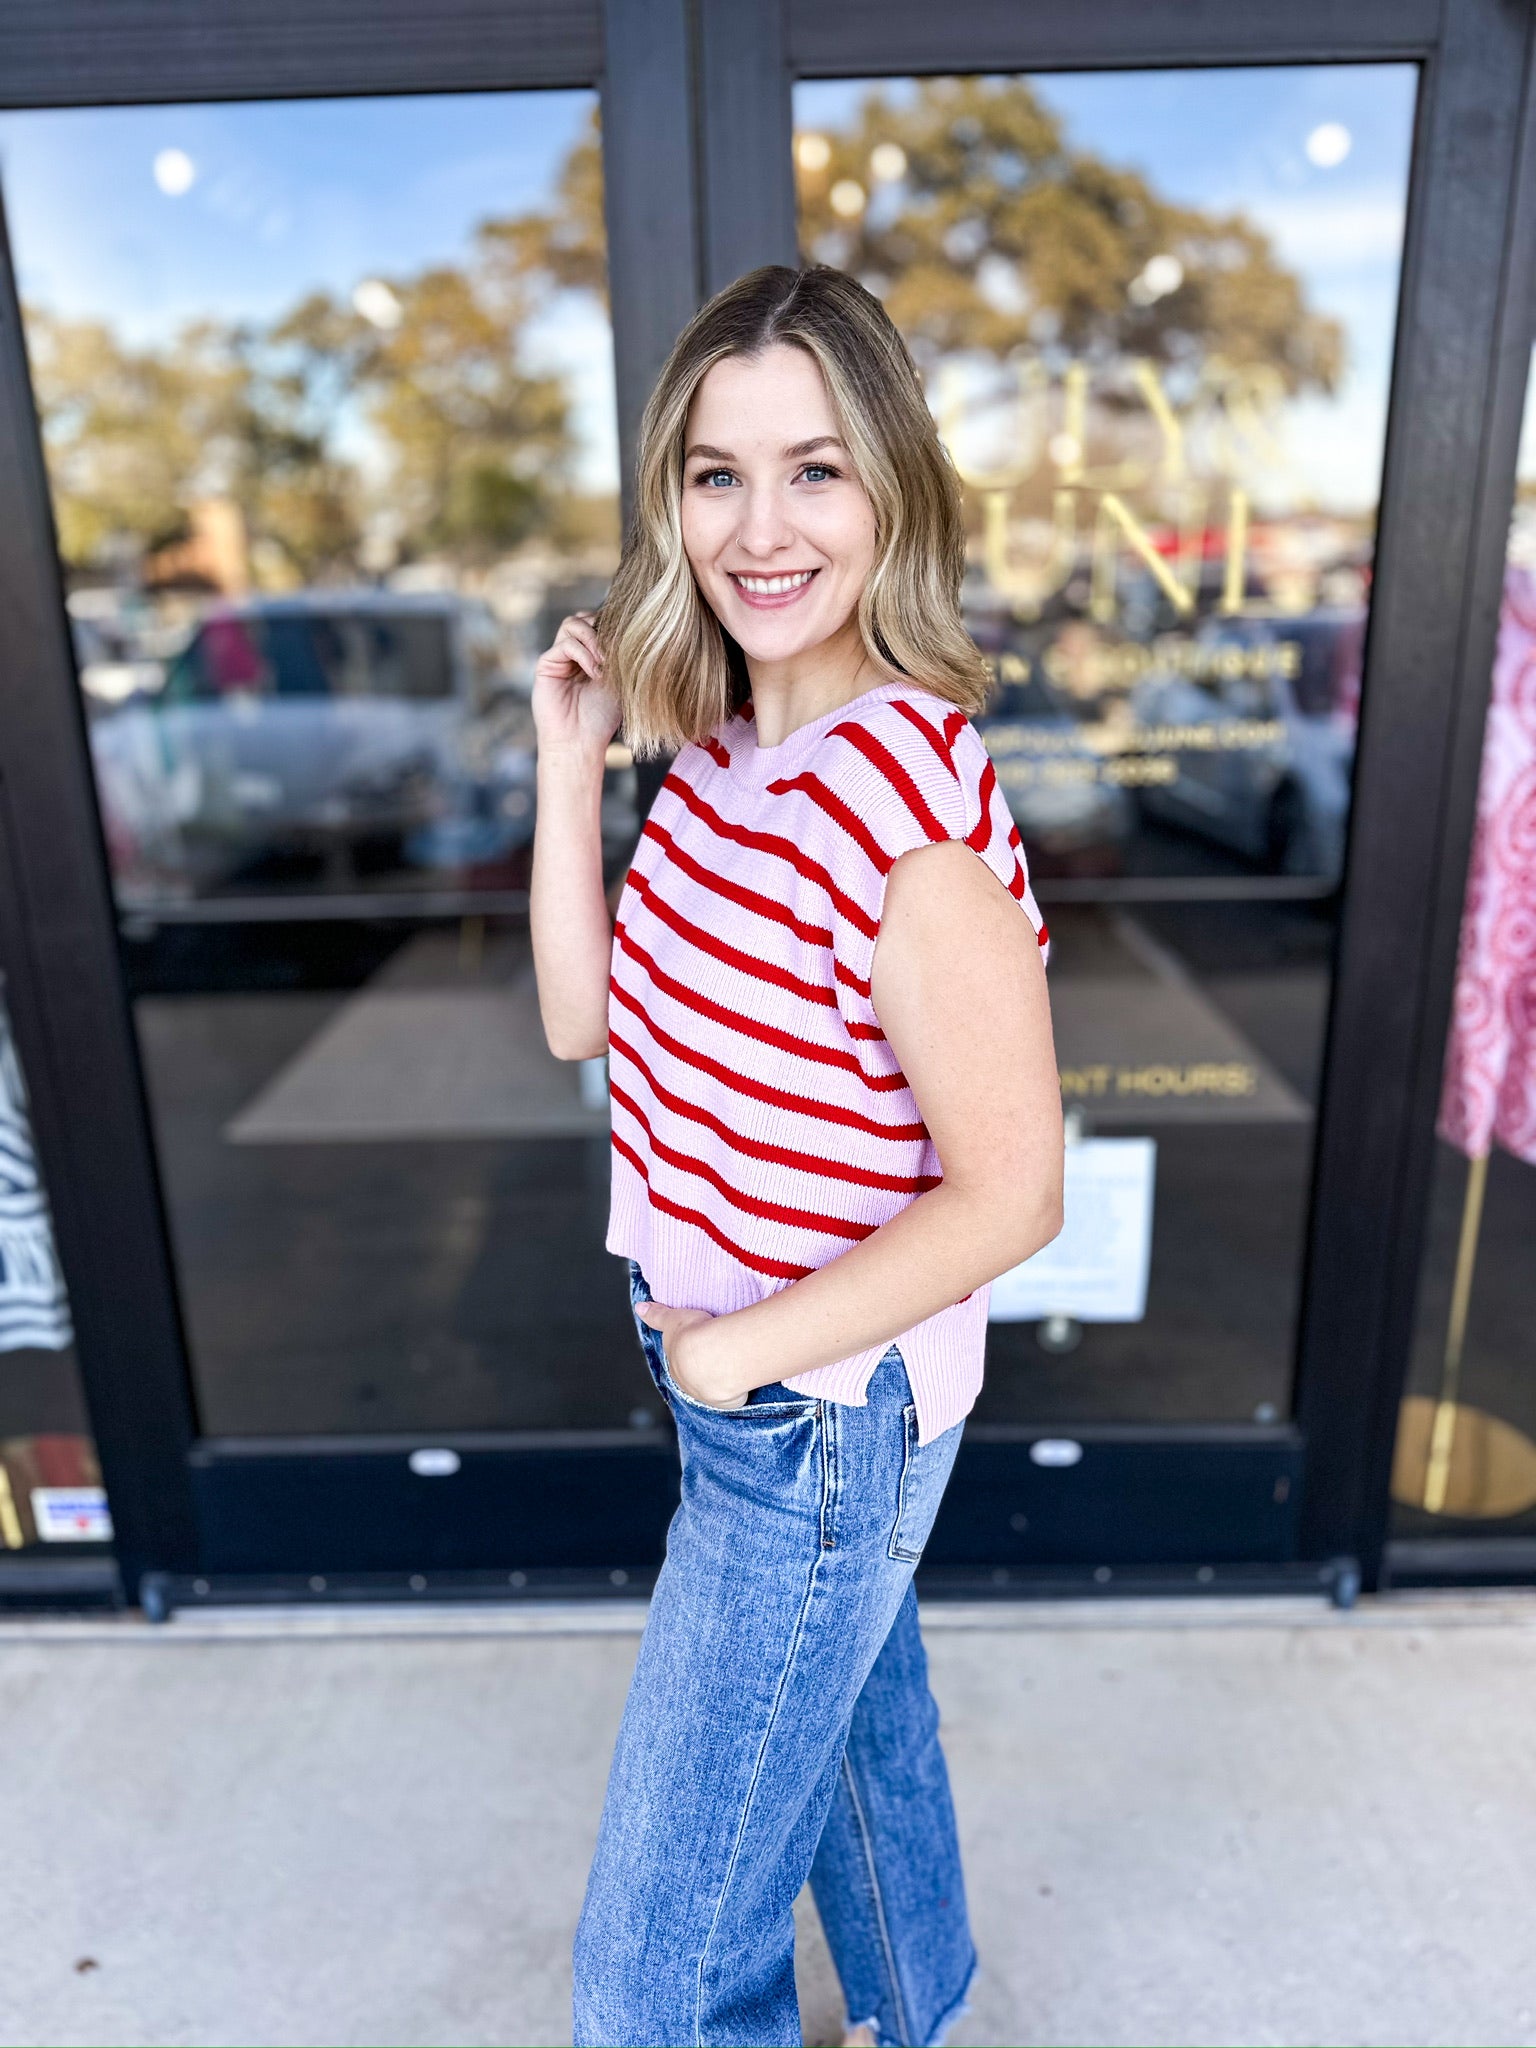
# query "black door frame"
(696, 114)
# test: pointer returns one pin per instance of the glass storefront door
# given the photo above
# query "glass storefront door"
(324, 398)
(326, 390)
(1156, 315)
(326, 395)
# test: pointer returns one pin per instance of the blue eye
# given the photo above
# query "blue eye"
(708, 476)
(822, 471)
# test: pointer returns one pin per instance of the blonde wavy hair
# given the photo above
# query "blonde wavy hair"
(679, 673)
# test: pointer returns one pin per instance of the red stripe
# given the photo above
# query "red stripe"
(734, 892)
(745, 963)
(1043, 935)
(880, 756)
(981, 837)
(763, 1091)
(769, 842)
(776, 1269)
(954, 725)
(813, 787)
(816, 992)
(765, 1034)
(939, 744)
(777, 1155)
(749, 1205)
(717, 753)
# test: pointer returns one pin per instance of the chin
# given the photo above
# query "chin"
(762, 646)
(764, 638)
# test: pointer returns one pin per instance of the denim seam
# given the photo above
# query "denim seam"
(908, 1448)
(757, 1768)
(829, 1474)
(878, 1896)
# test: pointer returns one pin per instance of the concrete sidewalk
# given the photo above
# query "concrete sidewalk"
(1202, 1822)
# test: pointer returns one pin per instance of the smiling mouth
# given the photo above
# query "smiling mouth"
(763, 591)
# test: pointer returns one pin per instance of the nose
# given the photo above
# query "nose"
(764, 528)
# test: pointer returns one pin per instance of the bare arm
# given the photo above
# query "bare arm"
(576, 715)
(959, 989)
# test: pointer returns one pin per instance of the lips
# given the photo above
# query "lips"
(773, 593)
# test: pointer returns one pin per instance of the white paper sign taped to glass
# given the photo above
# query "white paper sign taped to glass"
(1096, 1270)
(71, 1514)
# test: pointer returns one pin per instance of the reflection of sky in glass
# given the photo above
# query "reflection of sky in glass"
(1236, 139)
(290, 197)
(1522, 532)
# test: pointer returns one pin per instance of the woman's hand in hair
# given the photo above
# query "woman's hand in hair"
(674, 1326)
(573, 705)
(575, 714)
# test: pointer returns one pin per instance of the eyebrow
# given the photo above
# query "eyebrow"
(795, 448)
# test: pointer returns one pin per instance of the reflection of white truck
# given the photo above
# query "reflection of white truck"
(1284, 802)
(356, 729)
(1072, 820)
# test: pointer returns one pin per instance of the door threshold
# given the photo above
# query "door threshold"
(439, 1621)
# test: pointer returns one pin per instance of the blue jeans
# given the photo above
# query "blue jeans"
(780, 1726)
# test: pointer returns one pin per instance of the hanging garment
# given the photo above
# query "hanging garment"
(34, 1313)
(1489, 1094)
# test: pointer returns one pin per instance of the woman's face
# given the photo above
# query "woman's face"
(777, 529)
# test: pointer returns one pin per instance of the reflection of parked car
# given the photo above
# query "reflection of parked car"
(352, 727)
(1071, 819)
(110, 669)
(1281, 798)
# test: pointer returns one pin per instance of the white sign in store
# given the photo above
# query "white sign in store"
(71, 1514)
(1096, 1270)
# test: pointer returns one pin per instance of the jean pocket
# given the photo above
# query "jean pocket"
(652, 1349)
(925, 1470)
(775, 1403)
(764, 1404)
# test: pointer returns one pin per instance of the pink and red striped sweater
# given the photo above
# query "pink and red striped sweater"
(761, 1124)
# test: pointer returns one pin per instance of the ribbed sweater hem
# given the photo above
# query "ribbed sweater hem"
(944, 1354)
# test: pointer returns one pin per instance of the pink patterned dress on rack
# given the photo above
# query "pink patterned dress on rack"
(1489, 1094)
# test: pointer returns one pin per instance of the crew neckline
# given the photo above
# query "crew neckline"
(759, 764)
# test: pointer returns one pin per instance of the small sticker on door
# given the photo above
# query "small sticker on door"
(71, 1514)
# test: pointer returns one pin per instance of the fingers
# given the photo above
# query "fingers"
(579, 638)
(576, 651)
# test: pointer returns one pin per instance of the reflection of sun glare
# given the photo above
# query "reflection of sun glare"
(812, 152)
(848, 198)
(377, 303)
(1161, 275)
(175, 172)
(1329, 144)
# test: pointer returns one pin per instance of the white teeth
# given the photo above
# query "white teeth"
(774, 586)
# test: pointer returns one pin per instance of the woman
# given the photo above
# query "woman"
(836, 1118)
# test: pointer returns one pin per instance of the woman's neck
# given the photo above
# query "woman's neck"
(789, 694)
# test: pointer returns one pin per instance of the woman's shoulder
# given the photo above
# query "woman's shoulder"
(911, 740)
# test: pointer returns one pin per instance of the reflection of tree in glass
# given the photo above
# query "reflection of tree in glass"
(966, 208)
(478, 449)
(477, 446)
